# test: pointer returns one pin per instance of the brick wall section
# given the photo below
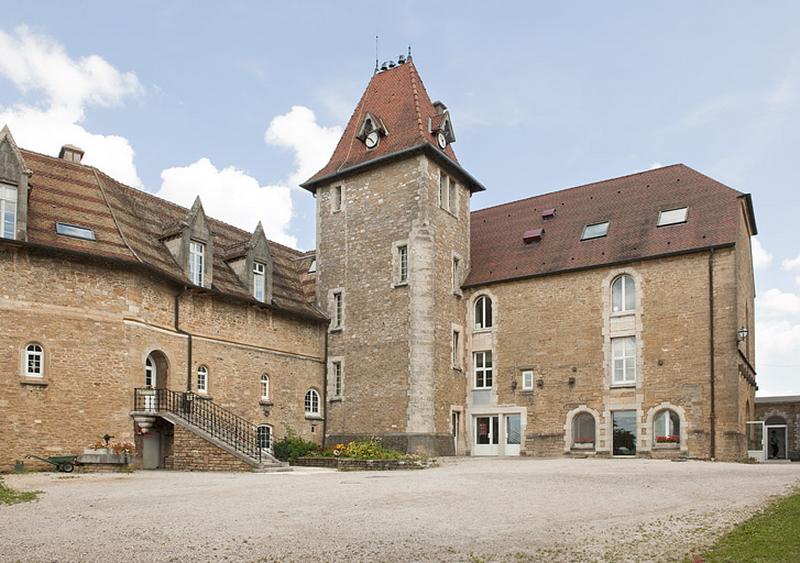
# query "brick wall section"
(97, 324)
(192, 453)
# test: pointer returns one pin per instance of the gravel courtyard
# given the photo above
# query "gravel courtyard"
(466, 509)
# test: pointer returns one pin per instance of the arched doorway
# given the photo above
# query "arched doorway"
(155, 438)
(156, 370)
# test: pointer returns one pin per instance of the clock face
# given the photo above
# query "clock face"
(442, 140)
(372, 140)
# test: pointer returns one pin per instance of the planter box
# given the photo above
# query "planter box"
(347, 464)
(584, 446)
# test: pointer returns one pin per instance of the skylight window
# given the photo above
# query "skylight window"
(595, 230)
(672, 216)
(75, 231)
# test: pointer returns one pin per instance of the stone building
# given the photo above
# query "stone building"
(614, 318)
(775, 433)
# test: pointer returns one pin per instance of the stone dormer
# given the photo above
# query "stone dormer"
(252, 263)
(191, 244)
(14, 176)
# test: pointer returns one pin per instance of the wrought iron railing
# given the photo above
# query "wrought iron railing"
(202, 413)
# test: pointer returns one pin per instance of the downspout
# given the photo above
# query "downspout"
(713, 441)
(178, 329)
(325, 389)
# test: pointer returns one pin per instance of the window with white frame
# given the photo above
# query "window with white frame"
(338, 309)
(623, 294)
(402, 263)
(259, 280)
(197, 251)
(527, 380)
(336, 198)
(264, 437)
(595, 230)
(483, 369)
(672, 216)
(667, 427)
(202, 379)
(336, 368)
(265, 387)
(312, 402)
(34, 360)
(483, 312)
(623, 360)
(455, 354)
(150, 372)
(8, 211)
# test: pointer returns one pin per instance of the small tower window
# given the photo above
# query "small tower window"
(337, 378)
(202, 379)
(197, 252)
(34, 360)
(336, 198)
(8, 211)
(259, 280)
(265, 387)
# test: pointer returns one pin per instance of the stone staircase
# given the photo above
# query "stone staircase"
(207, 420)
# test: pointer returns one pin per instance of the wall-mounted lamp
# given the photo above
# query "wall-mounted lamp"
(742, 334)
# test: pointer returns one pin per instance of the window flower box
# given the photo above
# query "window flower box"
(671, 439)
(583, 444)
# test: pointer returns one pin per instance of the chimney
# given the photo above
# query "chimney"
(439, 107)
(71, 153)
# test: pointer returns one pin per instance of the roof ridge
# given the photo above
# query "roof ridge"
(579, 186)
(413, 76)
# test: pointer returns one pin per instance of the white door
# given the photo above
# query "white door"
(455, 423)
(487, 435)
(513, 434)
(755, 440)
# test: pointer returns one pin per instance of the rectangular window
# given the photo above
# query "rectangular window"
(452, 197)
(402, 260)
(527, 380)
(75, 231)
(623, 360)
(197, 252)
(443, 190)
(259, 280)
(456, 274)
(338, 309)
(336, 198)
(595, 230)
(672, 216)
(8, 211)
(455, 353)
(483, 369)
(337, 379)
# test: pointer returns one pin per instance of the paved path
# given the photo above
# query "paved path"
(468, 509)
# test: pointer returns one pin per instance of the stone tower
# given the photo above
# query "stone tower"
(393, 212)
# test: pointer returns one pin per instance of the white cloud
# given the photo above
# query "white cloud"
(777, 303)
(790, 264)
(656, 165)
(37, 64)
(312, 144)
(778, 342)
(237, 198)
(761, 258)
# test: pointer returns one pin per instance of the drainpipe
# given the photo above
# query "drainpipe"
(325, 389)
(178, 329)
(713, 441)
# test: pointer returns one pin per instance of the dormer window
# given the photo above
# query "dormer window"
(8, 211)
(595, 230)
(259, 280)
(371, 131)
(197, 251)
(672, 216)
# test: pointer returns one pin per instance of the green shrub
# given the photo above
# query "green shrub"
(292, 447)
(370, 448)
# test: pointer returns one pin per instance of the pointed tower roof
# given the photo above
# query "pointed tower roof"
(406, 119)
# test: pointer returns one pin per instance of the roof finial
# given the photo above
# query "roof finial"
(376, 54)
(409, 50)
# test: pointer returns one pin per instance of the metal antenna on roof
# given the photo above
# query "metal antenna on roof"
(376, 55)
(409, 50)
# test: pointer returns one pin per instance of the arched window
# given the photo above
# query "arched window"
(312, 402)
(202, 379)
(150, 372)
(34, 360)
(264, 437)
(623, 294)
(667, 427)
(265, 387)
(483, 312)
(583, 430)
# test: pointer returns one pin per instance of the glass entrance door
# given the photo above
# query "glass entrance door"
(755, 440)
(776, 441)
(487, 435)
(513, 434)
(624, 432)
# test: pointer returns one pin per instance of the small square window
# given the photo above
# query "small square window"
(672, 216)
(595, 230)
(527, 380)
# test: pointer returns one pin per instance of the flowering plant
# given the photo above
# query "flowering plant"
(671, 439)
(339, 449)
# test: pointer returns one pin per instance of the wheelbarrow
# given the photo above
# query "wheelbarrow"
(63, 463)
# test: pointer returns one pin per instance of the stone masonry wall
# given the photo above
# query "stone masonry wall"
(193, 453)
(789, 412)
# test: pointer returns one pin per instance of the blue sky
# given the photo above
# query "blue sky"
(198, 98)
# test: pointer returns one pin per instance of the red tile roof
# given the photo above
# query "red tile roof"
(397, 98)
(129, 225)
(630, 203)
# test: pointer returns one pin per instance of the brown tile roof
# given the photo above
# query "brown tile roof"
(631, 204)
(129, 225)
(397, 98)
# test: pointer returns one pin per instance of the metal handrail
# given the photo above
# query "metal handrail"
(233, 430)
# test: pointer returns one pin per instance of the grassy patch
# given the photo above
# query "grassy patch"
(10, 496)
(771, 535)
